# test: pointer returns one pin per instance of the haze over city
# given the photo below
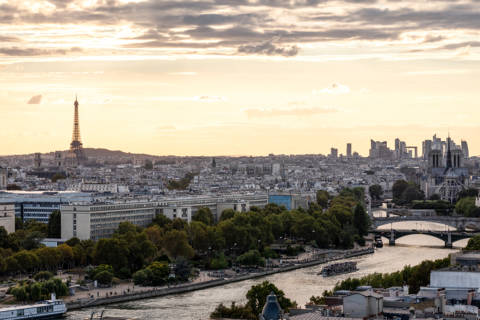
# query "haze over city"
(249, 78)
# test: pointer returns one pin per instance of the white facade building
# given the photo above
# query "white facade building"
(95, 187)
(455, 279)
(7, 217)
(363, 305)
(97, 221)
(3, 179)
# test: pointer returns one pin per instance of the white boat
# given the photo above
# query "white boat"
(41, 310)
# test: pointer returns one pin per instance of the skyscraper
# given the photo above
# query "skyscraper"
(76, 146)
(349, 150)
(466, 154)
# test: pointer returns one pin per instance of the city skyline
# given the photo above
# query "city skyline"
(260, 77)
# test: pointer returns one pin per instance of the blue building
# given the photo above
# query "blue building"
(291, 201)
(34, 205)
(281, 200)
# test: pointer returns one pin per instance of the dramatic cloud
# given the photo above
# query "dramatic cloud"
(235, 27)
(334, 88)
(35, 99)
(268, 48)
(299, 112)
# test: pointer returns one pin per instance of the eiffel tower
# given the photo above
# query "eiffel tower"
(76, 146)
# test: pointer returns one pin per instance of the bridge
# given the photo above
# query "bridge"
(459, 223)
(447, 236)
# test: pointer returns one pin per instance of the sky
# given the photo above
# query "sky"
(238, 77)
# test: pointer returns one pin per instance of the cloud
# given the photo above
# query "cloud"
(35, 99)
(298, 112)
(18, 51)
(334, 88)
(233, 27)
(268, 48)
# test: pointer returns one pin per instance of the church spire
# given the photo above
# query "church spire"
(449, 153)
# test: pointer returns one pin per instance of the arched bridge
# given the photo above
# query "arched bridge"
(448, 237)
(460, 223)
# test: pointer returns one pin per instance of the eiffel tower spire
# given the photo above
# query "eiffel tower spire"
(76, 146)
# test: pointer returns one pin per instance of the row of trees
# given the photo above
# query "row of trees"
(36, 291)
(415, 277)
(237, 237)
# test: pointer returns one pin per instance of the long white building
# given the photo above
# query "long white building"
(100, 220)
(7, 217)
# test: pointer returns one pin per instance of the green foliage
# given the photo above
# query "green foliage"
(204, 215)
(361, 220)
(398, 188)
(473, 243)
(36, 291)
(155, 274)
(102, 273)
(441, 207)
(219, 262)
(466, 193)
(234, 312)
(58, 176)
(322, 198)
(227, 214)
(466, 207)
(251, 258)
(54, 224)
(181, 184)
(256, 298)
(375, 191)
(43, 275)
(176, 244)
(405, 193)
(415, 277)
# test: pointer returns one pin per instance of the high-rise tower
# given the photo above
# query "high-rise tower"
(76, 146)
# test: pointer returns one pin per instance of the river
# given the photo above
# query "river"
(298, 285)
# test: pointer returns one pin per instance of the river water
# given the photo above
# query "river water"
(298, 285)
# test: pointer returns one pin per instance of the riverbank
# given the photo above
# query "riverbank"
(188, 287)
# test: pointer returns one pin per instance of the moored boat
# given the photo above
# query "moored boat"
(339, 268)
(41, 310)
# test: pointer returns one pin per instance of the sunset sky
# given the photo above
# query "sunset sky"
(238, 77)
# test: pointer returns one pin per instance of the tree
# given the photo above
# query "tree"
(54, 224)
(257, 296)
(473, 243)
(361, 220)
(4, 243)
(104, 277)
(227, 214)
(58, 176)
(204, 215)
(466, 193)
(375, 191)
(175, 244)
(322, 198)
(251, 258)
(112, 251)
(398, 188)
(411, 193)
(465, 206)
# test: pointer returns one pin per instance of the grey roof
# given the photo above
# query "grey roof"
(272, 309)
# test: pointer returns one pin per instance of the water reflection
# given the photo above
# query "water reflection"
(298, 285)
